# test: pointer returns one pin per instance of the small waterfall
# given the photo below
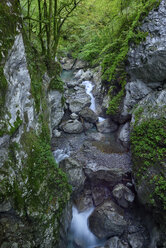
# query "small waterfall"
(60, 154)
(89, 88)
(79, 235)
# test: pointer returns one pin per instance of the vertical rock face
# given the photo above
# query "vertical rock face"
(147, 61)
(56, 106)
(19, 102)
(31, 198)
(145, 101)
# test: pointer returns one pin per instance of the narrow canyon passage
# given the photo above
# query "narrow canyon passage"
(99, 170)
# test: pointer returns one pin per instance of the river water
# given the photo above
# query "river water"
(79, 235)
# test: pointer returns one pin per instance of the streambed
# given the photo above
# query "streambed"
(99, 170)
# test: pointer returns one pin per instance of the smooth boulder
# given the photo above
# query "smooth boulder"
(96, 172)
(107, 220)
(72, 126)
(89, 115)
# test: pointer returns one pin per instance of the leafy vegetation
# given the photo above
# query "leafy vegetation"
(44, 21)
(148, 144)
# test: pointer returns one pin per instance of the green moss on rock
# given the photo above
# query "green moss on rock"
(37, 188)
(148, 144)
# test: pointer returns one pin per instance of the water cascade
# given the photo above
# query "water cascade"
(89, 87)
(79, 235)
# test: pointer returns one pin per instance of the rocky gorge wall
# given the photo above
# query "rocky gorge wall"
(33, 190)
(145, 105)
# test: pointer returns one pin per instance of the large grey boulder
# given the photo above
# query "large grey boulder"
(106, 126)
(57, 109)
(95, 171)
(72, 126)
(123, 195)
(148, 60)
(79, 100)
(89, 115)
(74, 172)
(107, 220)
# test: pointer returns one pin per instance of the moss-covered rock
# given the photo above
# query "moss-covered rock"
(148, 144)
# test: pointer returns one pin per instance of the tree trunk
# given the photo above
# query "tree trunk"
(56, 39)
(29, 22)
(40, 28)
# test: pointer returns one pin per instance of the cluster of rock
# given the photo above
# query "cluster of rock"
(76, 116)
(113, 198)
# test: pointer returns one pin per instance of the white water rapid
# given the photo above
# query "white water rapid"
(89, 87)
(80, 235)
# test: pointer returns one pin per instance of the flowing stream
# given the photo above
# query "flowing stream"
(79, 234)
(89, 87)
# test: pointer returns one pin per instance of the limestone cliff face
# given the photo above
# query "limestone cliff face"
(33, 190)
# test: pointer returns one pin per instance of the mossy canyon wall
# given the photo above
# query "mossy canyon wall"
(33, 190)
